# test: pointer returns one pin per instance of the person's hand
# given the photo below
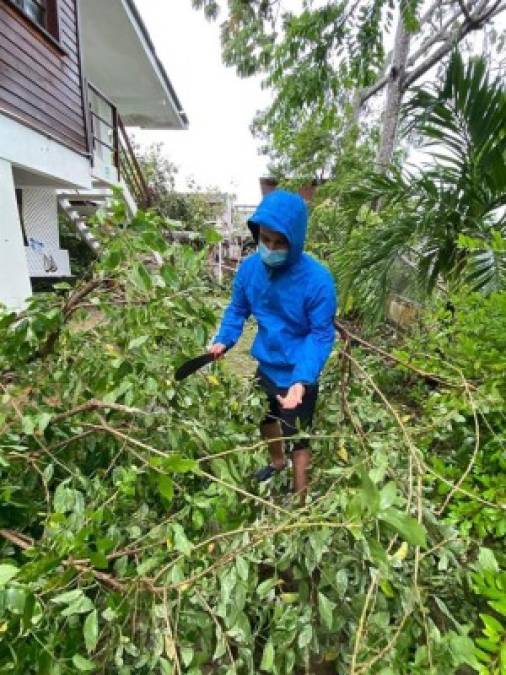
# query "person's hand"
(293, 396)
(217, 350)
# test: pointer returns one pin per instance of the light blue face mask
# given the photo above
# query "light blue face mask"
(273, 258)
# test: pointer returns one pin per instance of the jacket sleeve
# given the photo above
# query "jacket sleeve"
(317, 345)
(235, 314)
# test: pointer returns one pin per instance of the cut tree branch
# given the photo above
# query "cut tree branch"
(95, 404)
(70, 306)
(23, 542)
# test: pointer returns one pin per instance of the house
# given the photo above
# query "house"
(73, 75)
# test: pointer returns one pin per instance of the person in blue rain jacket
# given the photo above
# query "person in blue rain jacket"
(293, 299)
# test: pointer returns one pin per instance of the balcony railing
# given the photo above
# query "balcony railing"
(112, 146)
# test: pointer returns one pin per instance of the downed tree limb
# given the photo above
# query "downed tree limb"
(390, 357)
(23, 542)
(95, 404)
(68, 309)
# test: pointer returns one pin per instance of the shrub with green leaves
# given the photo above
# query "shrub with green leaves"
(132, 539)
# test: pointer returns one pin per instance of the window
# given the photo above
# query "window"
(43, 13)
(36, 10)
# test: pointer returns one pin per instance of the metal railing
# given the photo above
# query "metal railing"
(112, 145)
(130, 169)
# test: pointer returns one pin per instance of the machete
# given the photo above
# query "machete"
(195, 364)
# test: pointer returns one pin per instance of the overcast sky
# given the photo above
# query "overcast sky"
(218, 149)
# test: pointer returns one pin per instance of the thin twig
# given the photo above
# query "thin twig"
(361, 624)
(472, 461)
(366, 667)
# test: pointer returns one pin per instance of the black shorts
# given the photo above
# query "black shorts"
(292, 421)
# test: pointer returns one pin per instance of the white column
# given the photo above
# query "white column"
(15, 285)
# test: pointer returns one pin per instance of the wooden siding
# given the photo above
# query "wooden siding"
(41, 84)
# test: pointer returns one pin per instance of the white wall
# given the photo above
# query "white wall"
(14, 278)
(36, 153)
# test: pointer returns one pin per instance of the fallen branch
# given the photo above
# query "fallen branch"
(69, 308)
(24, 542)
(386, 355)
(95, 404)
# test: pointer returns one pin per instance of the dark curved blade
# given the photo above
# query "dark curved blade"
(192, 365)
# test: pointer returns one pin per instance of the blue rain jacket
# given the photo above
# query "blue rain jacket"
(294, 305)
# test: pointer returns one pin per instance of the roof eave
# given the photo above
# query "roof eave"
(163, 73)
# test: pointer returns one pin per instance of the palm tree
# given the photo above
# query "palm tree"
(441, 220)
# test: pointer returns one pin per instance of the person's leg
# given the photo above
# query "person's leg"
(293, 420)
(301, 458)
(271, 432)
(270, 429)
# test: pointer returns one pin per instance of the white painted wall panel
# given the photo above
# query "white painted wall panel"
(33, 151)
(15, 285)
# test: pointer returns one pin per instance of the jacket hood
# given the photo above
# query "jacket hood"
(286, 213)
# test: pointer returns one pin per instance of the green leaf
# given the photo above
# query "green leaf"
(267, 662)
(370, 495)
(341, 583)
(242, 568)
(7, 572)
(187, 655)
(487, 560)
(212, 236)
(64, 498)
(386, 587)
(80, 606)
(493, 627)
(405, 525)
(265, 587)
(15, 600)
(42, 421)
(387, 496)
(181, 541)
(67, 597)
(83, 665)
(179, 464)
(141, 278)
(166, 487)
(168, 274)
(463, 651)
(147, 565)
(138, 341)
(28, 424)
(305, 636)
(325, 609)
(90, 631)
(166, 667)
(99, 560)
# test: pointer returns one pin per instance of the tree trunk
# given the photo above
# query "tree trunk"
(393, 97)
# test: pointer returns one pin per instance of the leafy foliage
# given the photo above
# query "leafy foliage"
(129, 525)
(430, 218)
(194, 208)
